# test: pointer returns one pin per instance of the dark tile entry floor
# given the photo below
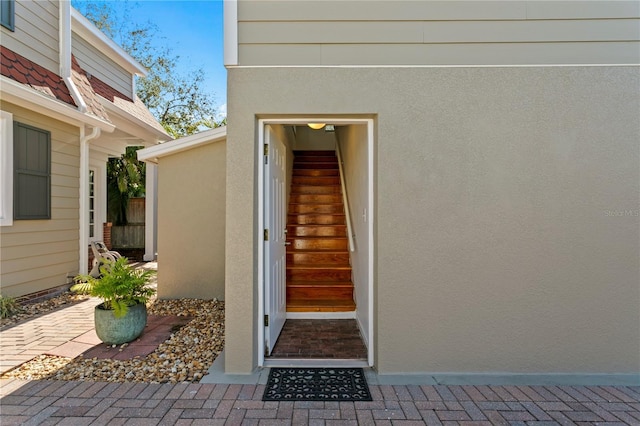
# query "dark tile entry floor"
(320, 338)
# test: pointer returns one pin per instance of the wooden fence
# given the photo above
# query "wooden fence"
(131, 236)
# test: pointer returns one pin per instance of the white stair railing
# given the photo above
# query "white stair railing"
(345, 200)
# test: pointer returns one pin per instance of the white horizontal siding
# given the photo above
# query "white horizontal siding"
(101, 66)
(40, 254)
(438, 33)
(36, 33)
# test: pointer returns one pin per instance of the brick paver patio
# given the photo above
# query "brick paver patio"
(99, 403)
(84, 403)
(47, 333)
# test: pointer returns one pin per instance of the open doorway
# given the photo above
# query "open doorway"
(316, 262)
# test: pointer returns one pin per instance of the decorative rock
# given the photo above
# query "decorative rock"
(184, 357)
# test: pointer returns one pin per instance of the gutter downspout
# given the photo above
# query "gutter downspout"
(84, 196)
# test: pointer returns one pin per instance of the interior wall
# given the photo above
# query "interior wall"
(353, 143)
(191, 223)
(308, 139)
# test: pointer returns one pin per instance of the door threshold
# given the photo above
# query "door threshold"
(321, 315)
(315, 362)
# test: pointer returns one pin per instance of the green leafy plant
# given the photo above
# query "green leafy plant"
(8, 306)
(119, 286)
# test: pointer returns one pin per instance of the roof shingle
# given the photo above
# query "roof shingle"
(22, 70)
(134, 106)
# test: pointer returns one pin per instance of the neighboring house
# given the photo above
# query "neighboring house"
(68, 104)
(496, 181)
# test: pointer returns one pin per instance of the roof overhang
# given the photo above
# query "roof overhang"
(154, 153)
(85, 29)
(133, 125)
(26, 97)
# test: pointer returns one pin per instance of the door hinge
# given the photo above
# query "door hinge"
(266, 320)
(266, 235)
(266, 153)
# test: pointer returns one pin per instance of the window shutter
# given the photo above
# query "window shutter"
(32, 173)
(6, 13)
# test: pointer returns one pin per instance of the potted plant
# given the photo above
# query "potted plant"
(122, 315)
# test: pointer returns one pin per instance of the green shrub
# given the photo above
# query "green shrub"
(119, 286)
(8, 306)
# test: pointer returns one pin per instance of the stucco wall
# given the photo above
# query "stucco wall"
(191, 223)
(41, 254)
(507, 231)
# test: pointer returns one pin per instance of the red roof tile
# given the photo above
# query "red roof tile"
(22, 70)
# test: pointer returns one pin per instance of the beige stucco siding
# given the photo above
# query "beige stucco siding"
(438, 32)
(41, 254)
(98, 64)
(191, 223)
(507, 230)
(36, 35)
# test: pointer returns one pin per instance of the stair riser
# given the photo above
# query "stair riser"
(315, 293)
(315, 189)
(315, 208)
(316, 198)
(315, 166)
(338, 275)
(313, 180)
(322, 152)
(316, 173)
(317, 231)
(324, 219)
(317, 257)
(318, 244)
(316, 159)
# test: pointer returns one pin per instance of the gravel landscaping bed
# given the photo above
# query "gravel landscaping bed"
(184, 357)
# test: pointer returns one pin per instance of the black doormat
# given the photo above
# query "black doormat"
(317, 384)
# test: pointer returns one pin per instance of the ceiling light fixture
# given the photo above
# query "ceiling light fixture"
(316, 126)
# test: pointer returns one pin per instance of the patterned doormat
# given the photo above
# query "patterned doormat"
(316, 384)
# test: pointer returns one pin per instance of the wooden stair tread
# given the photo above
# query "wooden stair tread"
(320, 305)
(311, 251)
(320, 266)
(319, 284)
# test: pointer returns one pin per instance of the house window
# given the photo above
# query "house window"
(31, 173)
(92, 201)
(7, 13)
(6, 168)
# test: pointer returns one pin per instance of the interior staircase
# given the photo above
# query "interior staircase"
(318, 267)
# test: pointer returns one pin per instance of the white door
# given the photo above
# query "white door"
(275, 250)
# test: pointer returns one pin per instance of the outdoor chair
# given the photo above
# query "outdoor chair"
(100, 254)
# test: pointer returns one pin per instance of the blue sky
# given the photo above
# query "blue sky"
(193, 29)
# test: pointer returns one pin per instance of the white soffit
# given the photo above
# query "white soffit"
(153, 153)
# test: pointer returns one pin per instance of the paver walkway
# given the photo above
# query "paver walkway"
(47, 333)
(83, 403)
